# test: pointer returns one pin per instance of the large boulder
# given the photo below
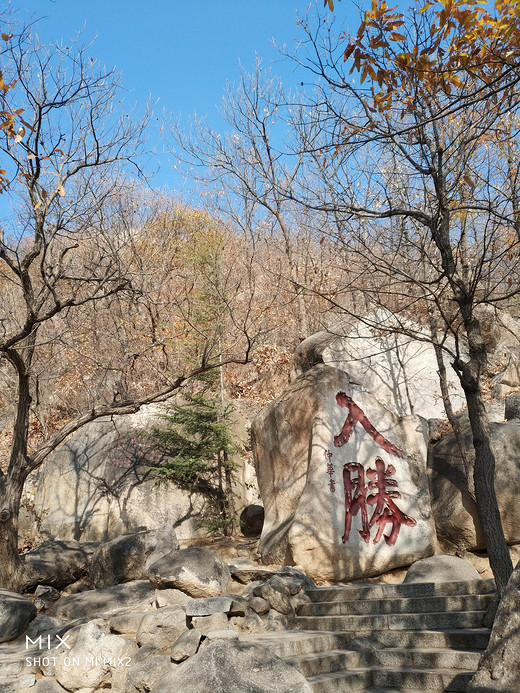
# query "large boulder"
(98, 484)
(441, 569)
(16, 613)
(397, 369)
(106, 600)
(161, 628)
(225, 666)
(393, 358)
(454, 510)
(501, 333)
(58, 563)
(96, 660)
(127, 558)
(142, 677)
(343, 480)
(196, 571)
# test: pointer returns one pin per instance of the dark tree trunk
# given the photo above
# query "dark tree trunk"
(484, 471)
(11, 573)
(466, 454)
(11, 483)
(471, 372)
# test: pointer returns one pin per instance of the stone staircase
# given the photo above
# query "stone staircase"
(417, 637)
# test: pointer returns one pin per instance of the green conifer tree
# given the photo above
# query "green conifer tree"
(197, 449)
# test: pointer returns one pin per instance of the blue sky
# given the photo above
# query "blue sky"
(180, 52)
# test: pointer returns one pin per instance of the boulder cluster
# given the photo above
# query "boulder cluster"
(144, 615)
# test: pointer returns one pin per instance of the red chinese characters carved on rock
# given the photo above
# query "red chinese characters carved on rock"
(373, 488)
(355, 415)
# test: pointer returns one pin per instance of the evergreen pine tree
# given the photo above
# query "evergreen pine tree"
(197, 448)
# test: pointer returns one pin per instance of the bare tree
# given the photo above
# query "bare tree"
(251, 173)
(72, 265)
(425, 199)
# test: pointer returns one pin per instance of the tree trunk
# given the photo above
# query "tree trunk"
(484, 480)
(466, 455)
(11, 567)
(11, 483)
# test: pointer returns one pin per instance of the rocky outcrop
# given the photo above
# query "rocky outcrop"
(144, 634)
(195, 571)
(227, 665)
(441, 569)
(391, 357)
(98, 484)
(454, 510)
(343, 480)
(16, 612)
(127, 558)
(388, 356)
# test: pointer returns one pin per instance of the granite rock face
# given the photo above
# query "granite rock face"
(16, 613)
(229, 665)
(343, 480)
(127, 558)
(399, 371)
(98, 485)
(196, 571)
(454, 510)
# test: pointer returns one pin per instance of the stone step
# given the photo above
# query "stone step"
(367, 624)
(293, 643)
(458, 639)
(341, 681)
(296, 643)
(327, 662)
(404, 605)
(412, 589)
(438, 681)
(363, 679)
(426, 658)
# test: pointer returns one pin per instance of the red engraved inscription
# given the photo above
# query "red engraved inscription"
(355, 415)
(373, 489)
(355, 499)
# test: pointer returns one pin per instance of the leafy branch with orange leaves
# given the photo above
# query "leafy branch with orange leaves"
(8, 116)
(460, 48)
